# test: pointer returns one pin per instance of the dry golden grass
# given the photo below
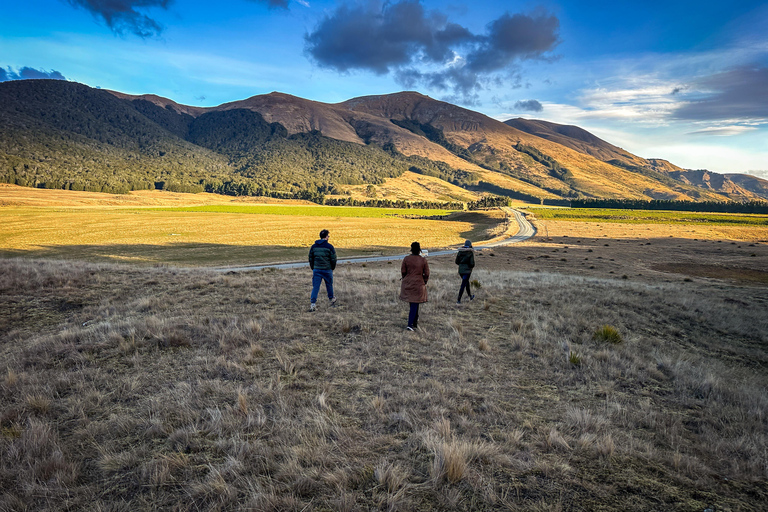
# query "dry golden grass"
(13, 195)
(413, 187)
(616, 230)
(146, 389)
(104, 232)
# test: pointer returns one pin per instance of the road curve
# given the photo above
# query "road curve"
(525, 230)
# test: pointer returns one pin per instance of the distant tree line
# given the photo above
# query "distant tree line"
(662, 204)
(488, 202)
(388, 203)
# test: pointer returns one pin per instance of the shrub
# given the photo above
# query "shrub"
(574, 359)
(608, 334)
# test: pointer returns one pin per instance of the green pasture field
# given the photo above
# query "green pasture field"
(310, 211)
(648, 216)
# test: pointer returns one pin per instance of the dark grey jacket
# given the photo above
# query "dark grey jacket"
(322, 256)
(465, 259)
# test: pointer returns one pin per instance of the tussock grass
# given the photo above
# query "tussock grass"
(158, 388)
(608, 334)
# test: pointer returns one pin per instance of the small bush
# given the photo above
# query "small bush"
(574, 359)
(608, 334)
(475, 284)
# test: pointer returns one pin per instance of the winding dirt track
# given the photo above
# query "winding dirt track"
(525, 230)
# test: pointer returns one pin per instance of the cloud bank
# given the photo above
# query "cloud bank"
(424, 47)
(26, 73)
(739, 93)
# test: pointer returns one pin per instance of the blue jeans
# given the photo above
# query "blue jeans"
(319, 276)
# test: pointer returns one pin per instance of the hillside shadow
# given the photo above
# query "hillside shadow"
(186, 254)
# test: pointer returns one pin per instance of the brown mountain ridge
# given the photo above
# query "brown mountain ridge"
(66, 126)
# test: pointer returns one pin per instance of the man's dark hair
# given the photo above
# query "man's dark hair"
(324, 233)
(415, 248)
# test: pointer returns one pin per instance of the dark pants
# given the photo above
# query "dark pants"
(319, 276)
(413, 315)
(465, 284)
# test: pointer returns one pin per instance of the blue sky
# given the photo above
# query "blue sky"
(684, 81)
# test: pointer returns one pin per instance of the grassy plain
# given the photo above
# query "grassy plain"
(127, 388)
(201, 232)
(588, 222)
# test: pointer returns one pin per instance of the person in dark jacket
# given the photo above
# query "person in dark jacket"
(465, 259)
(413, 286)
(322, 261)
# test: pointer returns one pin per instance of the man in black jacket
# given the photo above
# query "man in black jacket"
(465, 259)
(322, 261)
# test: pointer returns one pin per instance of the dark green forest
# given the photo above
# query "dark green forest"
(680, 206)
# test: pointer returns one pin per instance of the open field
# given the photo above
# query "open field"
(649, 217)
(194, 229)
(648, 224)
(127, 388)
(313, 211)
(205, 238)
(13, 195)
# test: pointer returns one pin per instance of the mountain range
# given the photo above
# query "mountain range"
(59, 134)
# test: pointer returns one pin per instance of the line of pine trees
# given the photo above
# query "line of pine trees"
(662, 204)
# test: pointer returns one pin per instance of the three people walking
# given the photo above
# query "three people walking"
(465, 259)
(322, 261)
(413, 286)
(414, 271)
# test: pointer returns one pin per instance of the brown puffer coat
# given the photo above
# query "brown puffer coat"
(415, 271)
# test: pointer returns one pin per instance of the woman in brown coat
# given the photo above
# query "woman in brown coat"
(413, 286)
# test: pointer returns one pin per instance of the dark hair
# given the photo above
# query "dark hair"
(415, 248)
(324, 233)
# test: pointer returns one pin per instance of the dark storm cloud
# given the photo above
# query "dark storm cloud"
(26, 73)
(738, 93)
(512, 38)
(529, 105)
(407, 40)
(378, 39)
(122, 15)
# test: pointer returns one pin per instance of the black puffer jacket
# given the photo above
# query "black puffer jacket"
(465, 259)
(322, 256)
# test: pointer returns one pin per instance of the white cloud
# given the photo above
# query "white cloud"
(724, 131)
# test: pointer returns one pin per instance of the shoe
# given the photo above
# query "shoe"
(458, 303)
(471, 297)
(333, 302)
(312, 307)
(409, 328)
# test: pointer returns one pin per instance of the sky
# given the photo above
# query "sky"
(680, 80)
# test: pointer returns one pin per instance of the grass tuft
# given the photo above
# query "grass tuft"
(608, 334)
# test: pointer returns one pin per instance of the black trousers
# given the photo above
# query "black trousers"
(413, 315)
(465, 285)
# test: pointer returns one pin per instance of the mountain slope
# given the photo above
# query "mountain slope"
(60, 134)
(67, 135)
(575, 138)
(733, 186)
